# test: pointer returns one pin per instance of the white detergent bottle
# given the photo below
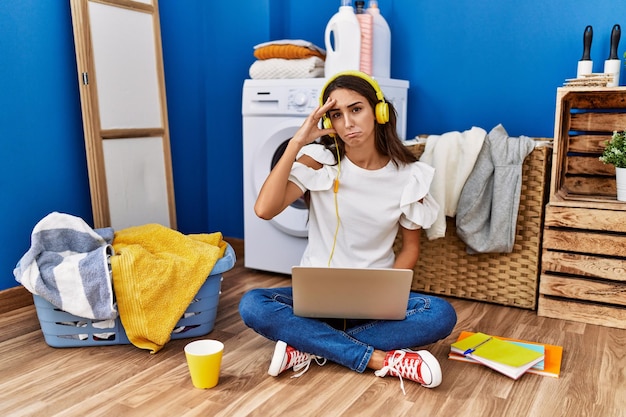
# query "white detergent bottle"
(343, 41)
(381, 45)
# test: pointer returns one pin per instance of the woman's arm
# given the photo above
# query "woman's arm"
(277, 191)
(409, 254)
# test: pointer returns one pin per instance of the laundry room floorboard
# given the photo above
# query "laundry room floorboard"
(38, 380)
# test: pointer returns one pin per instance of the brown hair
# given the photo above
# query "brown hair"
(386, 139)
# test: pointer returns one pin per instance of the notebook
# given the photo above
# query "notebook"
(351, 293)
(511, 359)
(551, 363)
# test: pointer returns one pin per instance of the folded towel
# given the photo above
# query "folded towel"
(67, 265)
(286, 52)
(278, 68)
(288, 49)
(156, 273)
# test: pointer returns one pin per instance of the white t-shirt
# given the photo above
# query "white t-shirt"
(370, 206)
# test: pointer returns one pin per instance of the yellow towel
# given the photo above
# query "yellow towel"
(156, 273)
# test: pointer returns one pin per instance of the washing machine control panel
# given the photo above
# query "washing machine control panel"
(302, 100)
(298, 97)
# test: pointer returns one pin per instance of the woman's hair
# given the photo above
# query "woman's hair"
(386, 139)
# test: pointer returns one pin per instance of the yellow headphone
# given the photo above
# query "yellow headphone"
(382, 108)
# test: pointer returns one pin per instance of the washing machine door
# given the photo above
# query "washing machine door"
(293, 220)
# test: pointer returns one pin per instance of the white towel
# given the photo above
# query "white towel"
(278, 68)
(67, 265)
(453, 156)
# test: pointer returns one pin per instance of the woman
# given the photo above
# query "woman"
(363, 186)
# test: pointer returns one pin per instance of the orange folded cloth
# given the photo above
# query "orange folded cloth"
(286, 52)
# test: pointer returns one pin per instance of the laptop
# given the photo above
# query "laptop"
(351, 293)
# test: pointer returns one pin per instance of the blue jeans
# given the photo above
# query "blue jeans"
(269, 312)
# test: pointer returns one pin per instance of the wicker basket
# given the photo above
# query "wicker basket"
(445, 268)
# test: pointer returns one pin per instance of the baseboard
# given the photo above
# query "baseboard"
(237, 245)
(14, 298)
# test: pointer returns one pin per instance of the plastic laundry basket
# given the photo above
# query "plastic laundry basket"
(62, 329)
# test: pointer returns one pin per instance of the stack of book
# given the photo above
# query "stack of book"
(511, 357)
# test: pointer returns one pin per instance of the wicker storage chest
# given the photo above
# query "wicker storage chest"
(584, 243)
(444, 267)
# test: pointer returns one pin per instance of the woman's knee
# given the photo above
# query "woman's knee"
(257, 304)
(436, 312)
(249, 305)
(446, 315)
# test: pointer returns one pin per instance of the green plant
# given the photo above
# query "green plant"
(615, 150)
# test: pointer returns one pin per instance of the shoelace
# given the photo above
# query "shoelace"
(397, 364)
(302, 367)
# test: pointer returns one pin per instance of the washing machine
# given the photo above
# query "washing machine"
(272, 111)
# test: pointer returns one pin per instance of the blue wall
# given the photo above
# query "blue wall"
(469, 64)
(42, 154)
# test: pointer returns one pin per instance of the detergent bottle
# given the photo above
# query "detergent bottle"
(343, 41)
(381, 45)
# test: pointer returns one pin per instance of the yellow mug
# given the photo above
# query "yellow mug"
(204, 358)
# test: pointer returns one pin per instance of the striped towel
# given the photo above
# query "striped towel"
(67, 265)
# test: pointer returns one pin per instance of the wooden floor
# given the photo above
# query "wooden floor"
(38, 380)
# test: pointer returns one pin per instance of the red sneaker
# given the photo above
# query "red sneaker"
(286, 357)
(420, 366)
